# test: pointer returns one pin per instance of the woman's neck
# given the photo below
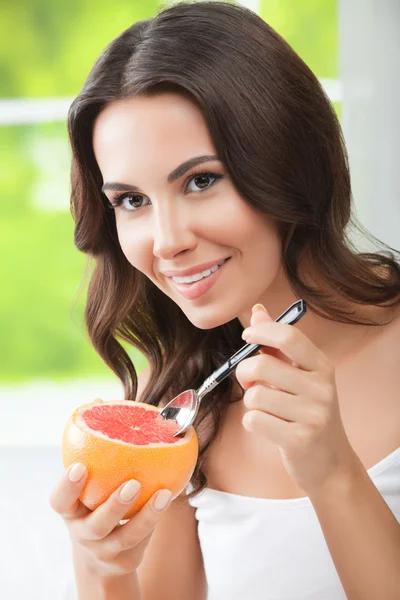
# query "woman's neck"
(335, 339)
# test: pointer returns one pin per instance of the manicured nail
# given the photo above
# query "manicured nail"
(76, 472)
(129, 491)
(162, 499)
(246, 333)
(257, 307)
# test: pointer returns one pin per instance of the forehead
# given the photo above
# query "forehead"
(166, 126)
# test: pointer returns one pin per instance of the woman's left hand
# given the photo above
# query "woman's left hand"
(291, 395)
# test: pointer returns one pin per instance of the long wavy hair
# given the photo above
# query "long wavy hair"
(279, 138)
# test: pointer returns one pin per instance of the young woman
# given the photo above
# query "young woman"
(200, 139)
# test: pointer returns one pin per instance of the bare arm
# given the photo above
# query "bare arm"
(172, 568)
(89, 585)
(363, 536)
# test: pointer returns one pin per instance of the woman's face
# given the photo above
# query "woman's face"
(179, 211)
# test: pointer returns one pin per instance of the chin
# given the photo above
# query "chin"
(202, 320)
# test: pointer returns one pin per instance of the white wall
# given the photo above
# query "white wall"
(369, 54)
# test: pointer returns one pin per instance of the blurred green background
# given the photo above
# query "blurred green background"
(47, 50)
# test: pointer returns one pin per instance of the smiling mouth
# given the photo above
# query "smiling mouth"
(199, 276)
(195, 289)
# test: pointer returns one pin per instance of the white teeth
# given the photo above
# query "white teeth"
(198, 276)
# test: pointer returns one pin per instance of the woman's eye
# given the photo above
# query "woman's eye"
(202, 181)
(129, 202)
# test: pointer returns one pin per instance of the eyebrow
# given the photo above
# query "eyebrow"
(173, 176)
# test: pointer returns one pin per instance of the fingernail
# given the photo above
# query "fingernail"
(162, 499)
(129, 491)
(257, 307)
(246, 333)
(76, 472)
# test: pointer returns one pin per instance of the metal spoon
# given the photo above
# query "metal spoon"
(184, 407)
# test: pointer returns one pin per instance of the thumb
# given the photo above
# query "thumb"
(259, 314)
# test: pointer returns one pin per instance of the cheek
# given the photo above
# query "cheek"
(267, 249)
(259, 238)
(135, 244)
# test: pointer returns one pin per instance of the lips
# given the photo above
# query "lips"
(193, 270)
(194, 290)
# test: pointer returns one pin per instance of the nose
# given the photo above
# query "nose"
(172, 232)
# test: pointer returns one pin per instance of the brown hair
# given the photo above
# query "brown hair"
(279, 138)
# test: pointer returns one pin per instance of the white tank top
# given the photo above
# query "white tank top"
(267, 549)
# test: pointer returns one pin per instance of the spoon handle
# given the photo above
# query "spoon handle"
(293, 314)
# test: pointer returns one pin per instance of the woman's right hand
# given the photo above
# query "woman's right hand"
(108, 548)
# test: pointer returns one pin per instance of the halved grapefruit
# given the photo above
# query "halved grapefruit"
(120, 440)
